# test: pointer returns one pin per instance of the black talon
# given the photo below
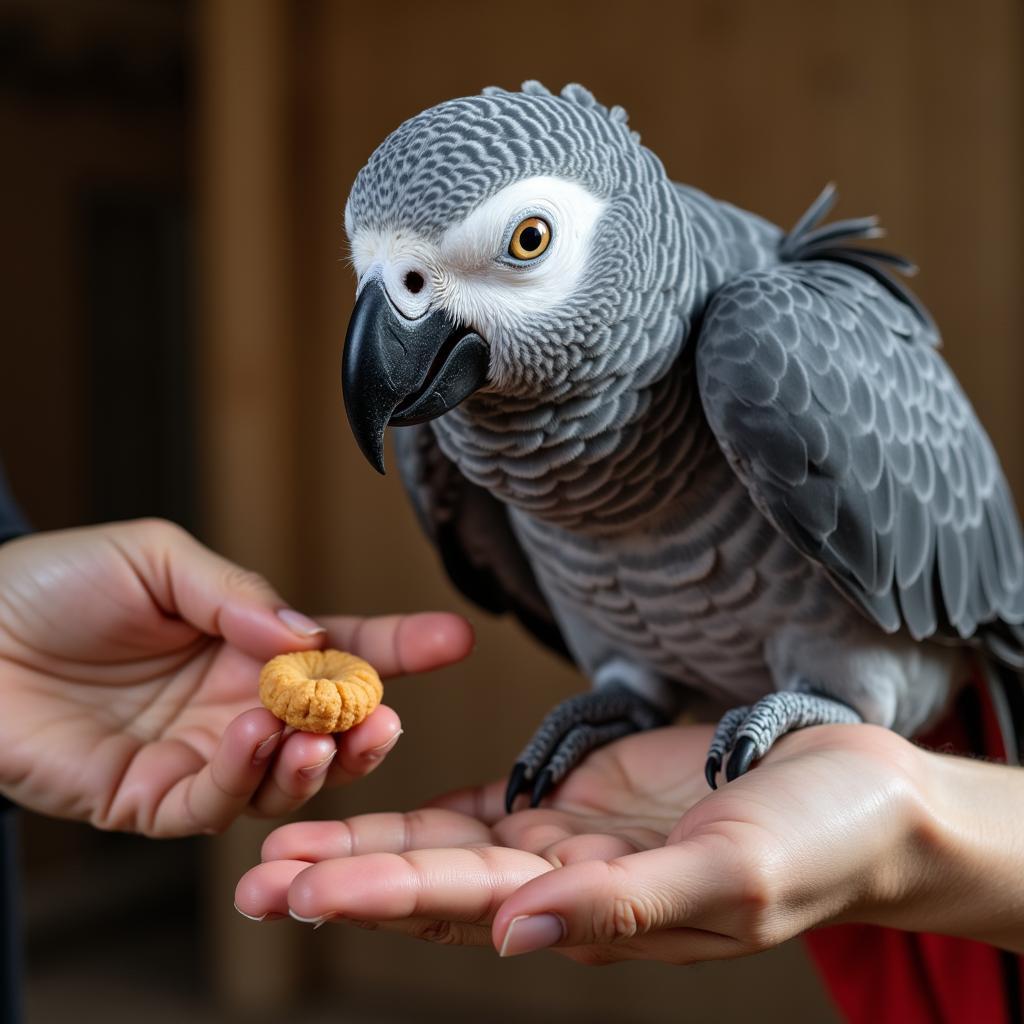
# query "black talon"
(516, 785)
(545, 782)
(741, 759)
(712, 766)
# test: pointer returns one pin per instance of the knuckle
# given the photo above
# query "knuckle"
(158, 524)
(756, 887)
(237, 578)
(761, 898)
(630, 912)
(632, 915)
(162, 531)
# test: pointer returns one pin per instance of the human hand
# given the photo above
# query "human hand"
(129, 665)
(631, 858)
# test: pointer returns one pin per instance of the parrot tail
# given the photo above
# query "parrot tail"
(1003, 641)
(808, 241)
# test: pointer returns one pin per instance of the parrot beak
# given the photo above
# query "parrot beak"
(396, 372)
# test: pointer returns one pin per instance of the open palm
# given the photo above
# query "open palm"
(129, 660)
(632, 856)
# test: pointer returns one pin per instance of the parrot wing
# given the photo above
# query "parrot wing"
(471, 531)
(823, 385)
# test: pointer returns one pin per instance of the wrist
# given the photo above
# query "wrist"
(897, 876)
(956, 868)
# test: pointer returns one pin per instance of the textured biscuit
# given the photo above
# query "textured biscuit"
(320, 691)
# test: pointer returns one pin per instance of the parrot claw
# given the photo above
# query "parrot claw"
(750, 732)
(712, 766)
(516, 785)
(741, 759)
(573, 729)
(545, 783)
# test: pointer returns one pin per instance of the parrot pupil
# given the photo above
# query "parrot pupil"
(530, 239)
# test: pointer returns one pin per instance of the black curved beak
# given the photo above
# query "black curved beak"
(396, 372)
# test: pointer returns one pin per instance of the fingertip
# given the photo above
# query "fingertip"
(362, 749)
(263, 889)
(302, 893)
(556, 892)
(435, 639)
(253, 727)
(302, 749)
(378, 731)
(247, 895)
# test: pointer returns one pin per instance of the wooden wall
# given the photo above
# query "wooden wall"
(913, 107)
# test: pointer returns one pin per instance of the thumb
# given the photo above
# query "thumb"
(598, 903)
(216, 596)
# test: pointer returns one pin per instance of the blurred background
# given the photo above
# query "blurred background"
(175, 296)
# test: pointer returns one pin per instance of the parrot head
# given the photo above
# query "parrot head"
(520, 244)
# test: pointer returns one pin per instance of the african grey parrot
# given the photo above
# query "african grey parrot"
(709, 459)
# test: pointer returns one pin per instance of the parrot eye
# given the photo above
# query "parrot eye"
(529, 239)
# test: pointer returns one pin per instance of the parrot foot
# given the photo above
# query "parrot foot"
(749, 732)
(571, 730)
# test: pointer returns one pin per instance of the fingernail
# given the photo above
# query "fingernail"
(299, 624)
(375, 754)
(316, 922)
(265, 749)
(531, 932)
(251, 917)
(314, 771)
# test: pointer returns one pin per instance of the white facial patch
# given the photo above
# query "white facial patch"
(469, 272)
(395, 255)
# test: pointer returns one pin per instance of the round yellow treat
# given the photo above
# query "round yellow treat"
(320, 691)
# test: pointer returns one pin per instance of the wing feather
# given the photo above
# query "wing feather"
(826, 391)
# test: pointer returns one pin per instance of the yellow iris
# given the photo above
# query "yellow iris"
(530, 239)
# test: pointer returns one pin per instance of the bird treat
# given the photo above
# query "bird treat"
(320, 691)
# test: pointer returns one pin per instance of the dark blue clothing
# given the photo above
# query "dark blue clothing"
(12, 524)
(10, 931)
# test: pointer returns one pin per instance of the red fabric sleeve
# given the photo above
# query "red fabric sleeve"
(885, 976)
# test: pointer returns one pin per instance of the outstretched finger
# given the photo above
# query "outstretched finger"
(373, 833)
(262, 892)
(399, 644)
(463, 884)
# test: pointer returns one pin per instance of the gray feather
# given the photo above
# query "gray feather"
(968, 550)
